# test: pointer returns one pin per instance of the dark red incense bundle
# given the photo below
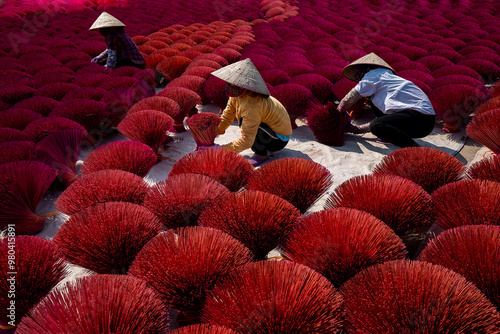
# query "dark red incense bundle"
(99, 304)
(467, 202)
(486, 169)
(17, 150)
(39, 128)
(461, 79)
(259, 220)
(296, 68)
(89, 113)
(38, 104)
(450, 54)
(261, 62)
(422, 76)
(146, 49)
(299, 181)
(487, 69)
(202, 71)
(179, 200)
(204, 128)
(214, 90)
(11, 94)
(17, 118)
(456, 69)
(205, 63)
(157, 43)
(166, 52)
(327, 124)
(187, 100)
(228, 167)
(114, 82)
(191, 82)
(331, 72)
(275, 297)
(23, 185)
(184, 264)
(148, 127)
(317, 53)
(125, 71)
(119, 102)
(320, 86)
(490, 104)
(90, 79)
(203, 329)
(230, 54)
(339, 243)
(416, 297)
(105, 238)
(61, 150)
(160, 103)
(172, 67)
(67, 56)
(485, 128)
(38, 266)
(433, 62)
(472, 251)
(400, 203)
(212, 56)
(89, 93)
(4, 106)
(108, 185)
(410, 65)
(9, 134)
(180, 46)
(130, 156)
(14, 78)
(295, 98)
(428, 167)
(453, 104)
(342, 87)
(153, 59)
(275, 76)
(56, 90)
(46, 78)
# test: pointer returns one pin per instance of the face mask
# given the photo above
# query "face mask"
(361, 71)
(233, 91)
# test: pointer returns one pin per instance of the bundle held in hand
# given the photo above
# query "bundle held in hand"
(204, 128)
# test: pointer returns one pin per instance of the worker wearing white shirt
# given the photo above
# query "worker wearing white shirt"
(403, 110)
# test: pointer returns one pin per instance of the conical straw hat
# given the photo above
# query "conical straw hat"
(243, 74)
(106, 20)
(370, 59)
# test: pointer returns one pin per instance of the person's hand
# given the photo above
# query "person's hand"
(342, 108)
(200, 148)
(93, 60)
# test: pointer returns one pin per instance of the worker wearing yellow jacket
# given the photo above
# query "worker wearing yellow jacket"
(263, 120)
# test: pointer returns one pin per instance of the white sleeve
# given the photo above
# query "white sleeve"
(366, 88)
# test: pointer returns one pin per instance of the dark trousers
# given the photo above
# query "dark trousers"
(400, 127)
(266, 140)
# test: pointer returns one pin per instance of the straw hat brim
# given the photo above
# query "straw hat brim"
(106, 20)
(243, 74)
(350, 70)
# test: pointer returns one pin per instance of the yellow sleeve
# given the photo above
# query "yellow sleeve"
(250, 121)
(227, 116)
